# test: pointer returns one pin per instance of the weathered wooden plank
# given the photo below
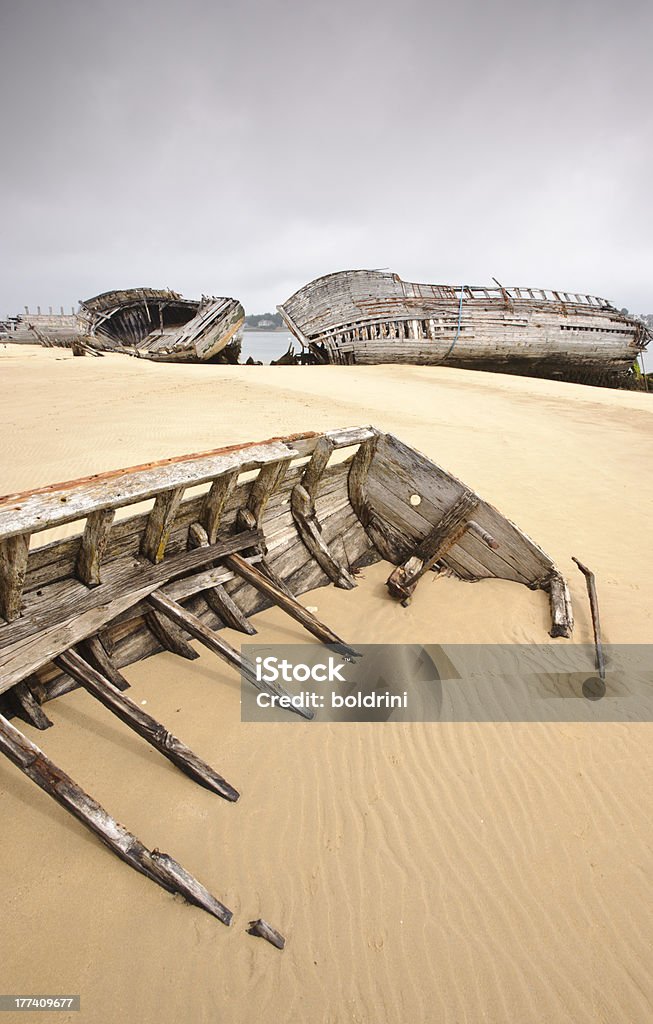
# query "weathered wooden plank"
(93, 545)
(562, 617)
(215, 502)
(267, 481)
(161, 868)
(14, 552)
(358, 470)
(145, 725)
(227, 610)
(63, 503)
(159, 524)
(27, 646)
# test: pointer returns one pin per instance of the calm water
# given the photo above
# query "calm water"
(265, 345)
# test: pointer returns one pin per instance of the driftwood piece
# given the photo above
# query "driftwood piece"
(562, 618)
(14, 552)
(263, 930)
(159, 524)
(290, 605)
(170, 636)
(94, 652)
(207, 636)
(93, 545)
(28, 707)
(590, 581)
(143, 724)
(161, 868)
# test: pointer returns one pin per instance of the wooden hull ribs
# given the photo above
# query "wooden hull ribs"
(368, 316)
(226, 534)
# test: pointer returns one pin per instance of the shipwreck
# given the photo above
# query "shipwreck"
(371, 316)
(152, 323)
(223, 535)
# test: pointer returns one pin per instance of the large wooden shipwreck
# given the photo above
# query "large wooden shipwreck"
(223, 534)
(371, 316)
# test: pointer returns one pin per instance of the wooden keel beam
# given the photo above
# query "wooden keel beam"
(143, 724)
(94, 542)
(159, 524)
(14, 552)
(28, 707)
(215, 643)
(291, 605)
(170, 636)
(161, 868)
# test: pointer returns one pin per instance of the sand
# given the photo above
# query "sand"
(421, 872)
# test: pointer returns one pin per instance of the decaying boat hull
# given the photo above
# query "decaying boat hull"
(163, 326)
(365, 317)
(227, 533)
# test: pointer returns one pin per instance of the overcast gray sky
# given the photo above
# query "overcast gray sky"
(244, 148)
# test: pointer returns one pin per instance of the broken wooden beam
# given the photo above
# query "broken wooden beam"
(445, 535)
(28, 707)
(590, 581)
(263, 930)
(94, 651)
(290, 605)
(217, 598)
(215, 643)
(160, 867)
(170, 636)
(562, 618)
(143, 724)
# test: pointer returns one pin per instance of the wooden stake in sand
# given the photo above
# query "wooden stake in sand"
(594, 607)
(161, 868)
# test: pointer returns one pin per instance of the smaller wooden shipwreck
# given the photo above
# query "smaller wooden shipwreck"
(225, 533)
(371, 316)
(164, 326)
(152, 323)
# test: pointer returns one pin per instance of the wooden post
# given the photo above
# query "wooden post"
(143, 724)
(28, 707)
(161, 868)
(14, 552)
(289, 604)
(159, 524)
(215, 501)
(590, 580)
(170, 636)
(94, 542)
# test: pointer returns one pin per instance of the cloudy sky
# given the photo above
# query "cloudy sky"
(244, 147)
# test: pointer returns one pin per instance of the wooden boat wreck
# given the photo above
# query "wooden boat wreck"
(163, 326)
(227, 533)
(371, 316)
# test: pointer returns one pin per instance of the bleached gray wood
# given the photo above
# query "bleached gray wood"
(170, 636)
(215, 502)
(94, 652)
(14, 552)
(93, 546)
(161, 868)
(28, 706)
(159, 524)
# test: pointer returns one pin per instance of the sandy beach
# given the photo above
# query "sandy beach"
(448, 872)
